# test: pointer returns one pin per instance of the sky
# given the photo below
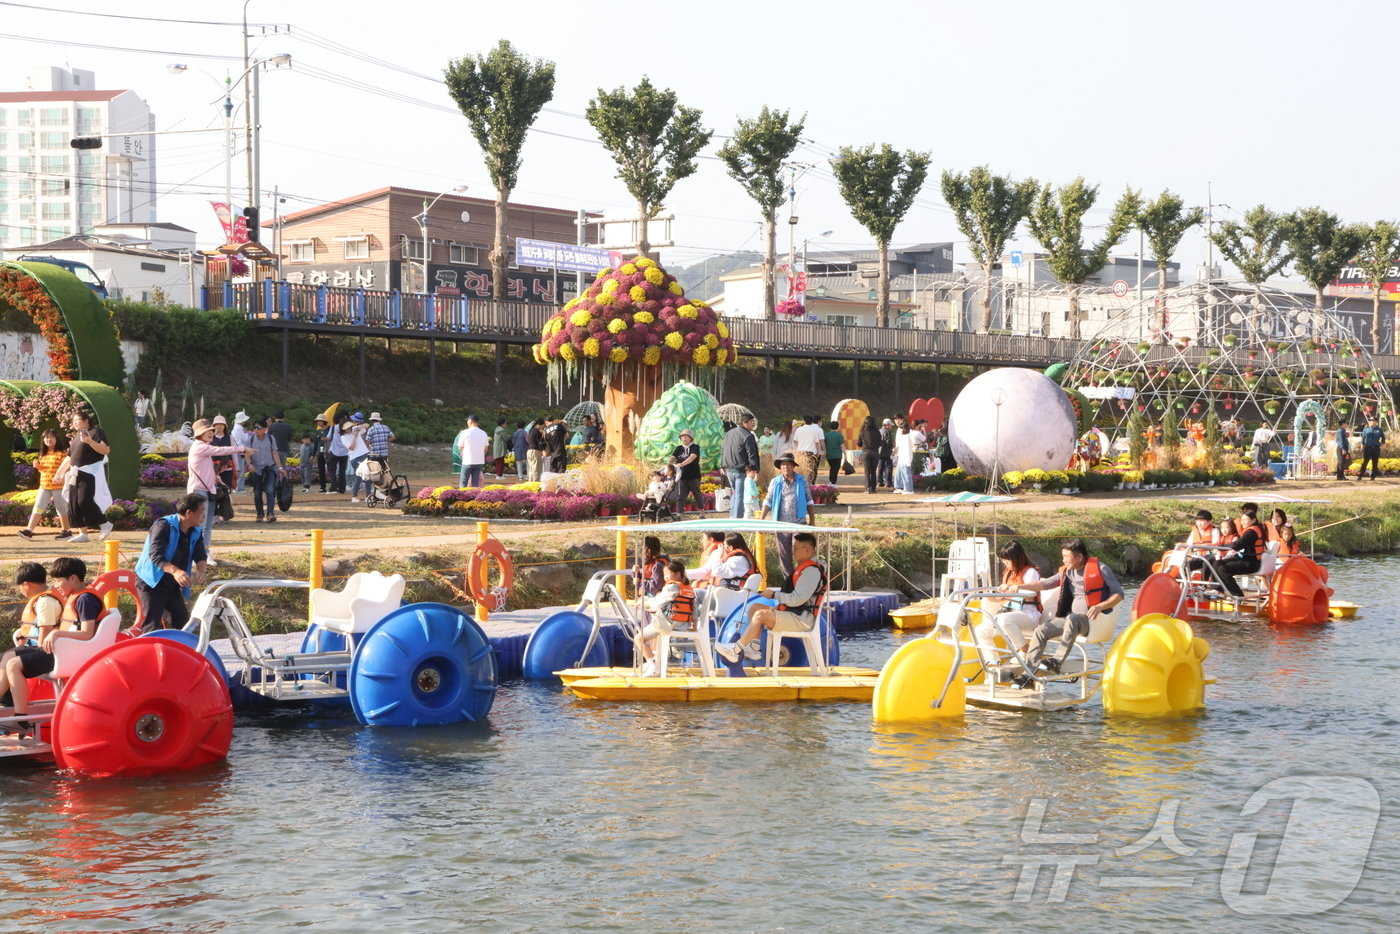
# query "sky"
(1282, 103)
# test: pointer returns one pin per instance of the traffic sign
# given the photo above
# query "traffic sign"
(1015, 257)
(1120, 288)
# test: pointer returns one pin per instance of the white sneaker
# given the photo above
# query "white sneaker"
(354, 499)
(80, 537)
(106, 528)
(210, 562)
(752, 652)
(729, 651)
(650, 669)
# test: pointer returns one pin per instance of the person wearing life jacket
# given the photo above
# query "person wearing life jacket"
(650, 572)
(1013, 620)
(1087, 588)
(1243, 556)
(41, 605)
(1288, 544)
(1204, 537)
(736, 563)
(173, 558)
(798, 601)
(711, 555)
(671, 608)
(77, 619)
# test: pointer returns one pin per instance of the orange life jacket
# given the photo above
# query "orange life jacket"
(681, 610)
(1288, 548)
(815, 600)
(1200, 538)
(27, 617)
(737, 582)
(1018, 578)
(1261, 542)
(1095, 589)
(70, 606)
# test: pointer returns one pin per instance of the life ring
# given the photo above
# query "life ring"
(478, 573)
(123, 581)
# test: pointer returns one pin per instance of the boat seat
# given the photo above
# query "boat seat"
(71, 654)
(699, 637)
(811, 638)
(969, 565)
(726, 601)
(367, 598)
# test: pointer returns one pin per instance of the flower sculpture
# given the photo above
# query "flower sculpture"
(635, 331)
(21, 289)
(791, 307)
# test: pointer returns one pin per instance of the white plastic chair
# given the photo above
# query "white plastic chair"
(699, 637)
(70, 654)
(969, 565)
(1256, 585)
(367, 598)
(811, 638)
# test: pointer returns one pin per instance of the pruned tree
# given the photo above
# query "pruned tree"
(1056, 220)
(1258, 247)
(1164, 221)
(879, 186)
(1321, 245)
(1377, 262)
(654, 142)
(500, 93)
(988, 208)
(755, 156)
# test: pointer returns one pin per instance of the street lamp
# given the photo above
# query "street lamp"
(998, 398)
(423, 225)
(179, 68)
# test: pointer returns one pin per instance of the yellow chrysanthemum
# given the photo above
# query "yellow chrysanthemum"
(638, 293)
(537, 351)
(699, 304)
(655, 276)
(722, 328)
(618, 355)
(673, 340)
(605, 299)
(688, 311)
(581, 317)
(567, 352)
(675, 288)
(610, 285)
(701, 356)
(602, 273)
(642, 262)
(721, 357)
(591, 348)
(616, 325)
(628, 269)
(711, 341)
(651, 356)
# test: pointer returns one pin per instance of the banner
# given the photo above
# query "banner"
(544, 254)
(1107, 392)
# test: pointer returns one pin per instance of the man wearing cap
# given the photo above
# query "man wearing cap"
(1372, 437)
(378, 436)
(789, 499)
(240, 441)
(1204, 532)
(471, 444)
(686, 457)
(556, 442)
(281, 433)
(740, 454)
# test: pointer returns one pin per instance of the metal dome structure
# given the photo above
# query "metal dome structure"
(1258, 355)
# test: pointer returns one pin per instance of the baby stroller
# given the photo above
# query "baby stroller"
(385, 489)
(658, 504)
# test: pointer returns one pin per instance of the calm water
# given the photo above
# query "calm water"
(562, 814)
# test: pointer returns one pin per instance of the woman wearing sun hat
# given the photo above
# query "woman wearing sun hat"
(204, 476)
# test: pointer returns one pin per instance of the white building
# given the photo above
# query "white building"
(48, 190)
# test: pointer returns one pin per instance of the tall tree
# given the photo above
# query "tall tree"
(1056, 220)
(1164, 221)
(1321, 245)
(988, 208)
(652, 139)
(1377, 262)
(879, 186)
(500, 93)
(1258, 248)
(755, 156)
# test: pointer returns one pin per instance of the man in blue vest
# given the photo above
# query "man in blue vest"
(1371, 440)
(172, 560)
(789, 500)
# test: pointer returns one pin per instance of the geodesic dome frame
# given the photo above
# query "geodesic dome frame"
(1256, 355)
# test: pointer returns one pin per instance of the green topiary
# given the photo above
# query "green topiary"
(684, 405)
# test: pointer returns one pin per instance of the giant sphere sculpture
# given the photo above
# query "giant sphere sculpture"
(1035, 428)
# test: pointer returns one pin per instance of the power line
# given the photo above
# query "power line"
(121, 48)
(146, 19)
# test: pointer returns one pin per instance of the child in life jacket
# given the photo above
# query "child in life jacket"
(672, 608)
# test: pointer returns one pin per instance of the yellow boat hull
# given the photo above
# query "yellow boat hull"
(1342, 609)
(689, 686)
(916, 616)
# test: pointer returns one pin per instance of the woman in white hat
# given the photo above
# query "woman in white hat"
(224, 462)
(204, 477)
(240, 441)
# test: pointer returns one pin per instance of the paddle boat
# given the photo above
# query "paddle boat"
(1153, 667)
(970, 560)
(416, 664)
(570, 645)
(1291, 591)
(117, 704)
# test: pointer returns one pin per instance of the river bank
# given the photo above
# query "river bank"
(891, 550)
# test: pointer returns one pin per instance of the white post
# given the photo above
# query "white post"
(426, 245)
